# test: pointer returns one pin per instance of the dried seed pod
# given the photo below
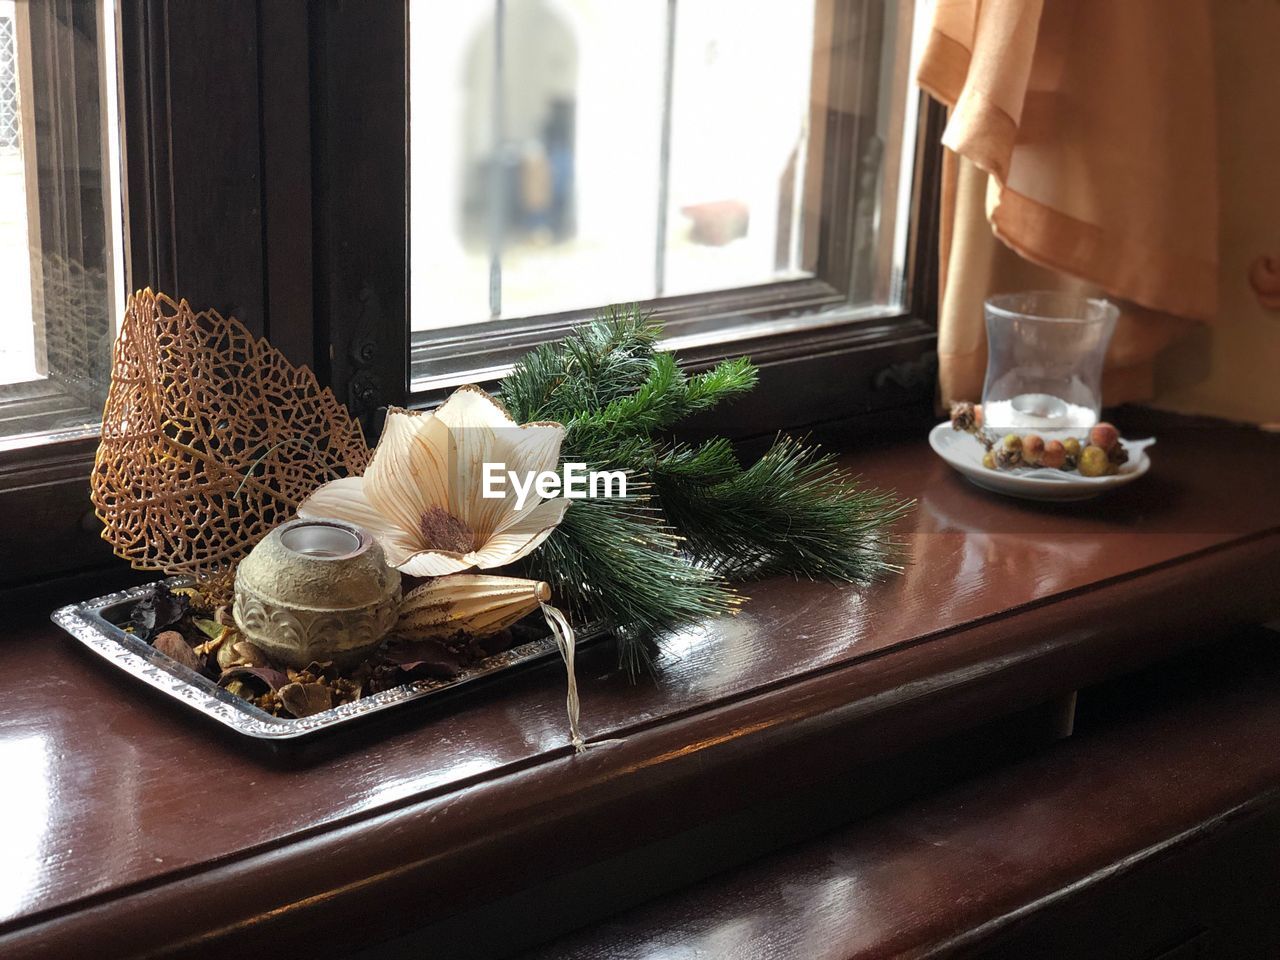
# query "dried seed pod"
(304, 699)
(1008, 452)
(172, 644)
(966, 416)
(250, 654)
(473, 604)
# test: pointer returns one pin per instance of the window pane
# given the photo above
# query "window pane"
(566, 154)
(59, 227)
(534, 160)
(739, 139)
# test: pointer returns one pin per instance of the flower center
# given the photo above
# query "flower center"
(441, 530)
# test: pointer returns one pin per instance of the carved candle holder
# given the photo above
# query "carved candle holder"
(316, 590)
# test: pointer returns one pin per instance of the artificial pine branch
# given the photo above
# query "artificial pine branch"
(620, 563)
(596, 364)
(617, 564)
(792, 512)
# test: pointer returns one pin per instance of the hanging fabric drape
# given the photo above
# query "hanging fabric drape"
(1081, 155)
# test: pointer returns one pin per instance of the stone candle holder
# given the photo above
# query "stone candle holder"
(316, 590)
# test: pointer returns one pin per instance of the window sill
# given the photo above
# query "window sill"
(1005, 605)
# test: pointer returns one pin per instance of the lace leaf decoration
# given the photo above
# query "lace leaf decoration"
(210, 439)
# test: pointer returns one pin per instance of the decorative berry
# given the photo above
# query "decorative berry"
(1104, 435)
(1032, 448)
(1054, 456)
(1094, 462)
(1011, 441)
(977, 415)
(1072, 446)
(989, 460)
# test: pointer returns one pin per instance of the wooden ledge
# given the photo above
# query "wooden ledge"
(1146, 832)
(133, 812)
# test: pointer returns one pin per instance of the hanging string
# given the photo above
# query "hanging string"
(565, 640)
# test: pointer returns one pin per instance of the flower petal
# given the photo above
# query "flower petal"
(469, 406)
(535, 448)
(409, 473)
(433, 563)
(486, 433)
(520, 535)
(527, 451)
(346, 499)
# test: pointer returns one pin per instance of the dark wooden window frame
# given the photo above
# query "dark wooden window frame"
(265, 144)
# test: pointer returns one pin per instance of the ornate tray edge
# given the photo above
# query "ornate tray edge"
(85, 623)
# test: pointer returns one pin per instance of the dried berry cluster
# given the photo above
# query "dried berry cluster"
(1102, 453)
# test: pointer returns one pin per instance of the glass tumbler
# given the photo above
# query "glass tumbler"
(1044, 362)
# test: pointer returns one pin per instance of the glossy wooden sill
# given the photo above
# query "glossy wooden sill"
(1155, 824)
(128, 812)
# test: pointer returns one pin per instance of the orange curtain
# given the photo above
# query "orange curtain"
(1081, 155)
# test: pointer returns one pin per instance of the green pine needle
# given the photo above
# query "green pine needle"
(649, 564)
(613, 562)
(792, 512)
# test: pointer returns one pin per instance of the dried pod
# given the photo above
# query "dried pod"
(250, 654)
(304, 699)
(965, 416)
(174, 645)
(473, 604)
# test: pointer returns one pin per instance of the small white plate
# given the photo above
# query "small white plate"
(964, 452)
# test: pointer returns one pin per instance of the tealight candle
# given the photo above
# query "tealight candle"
(316, 589)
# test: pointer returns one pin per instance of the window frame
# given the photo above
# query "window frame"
(248, 190)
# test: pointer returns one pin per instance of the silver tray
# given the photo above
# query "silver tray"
(91, 622)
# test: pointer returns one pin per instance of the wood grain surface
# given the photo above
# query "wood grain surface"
(122, 811)
(1149, 829)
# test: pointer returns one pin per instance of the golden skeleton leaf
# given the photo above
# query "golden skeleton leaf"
(210, 438)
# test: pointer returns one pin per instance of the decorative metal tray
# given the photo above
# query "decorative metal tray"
(94, 623)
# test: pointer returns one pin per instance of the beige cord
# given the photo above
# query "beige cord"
(563, 633)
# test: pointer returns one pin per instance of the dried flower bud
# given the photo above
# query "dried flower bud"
(1007, 457)
(965, 416)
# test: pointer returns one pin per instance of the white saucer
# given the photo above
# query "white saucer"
(964, 452)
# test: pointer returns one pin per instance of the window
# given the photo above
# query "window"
(737, 173)
(59, 219)
(409, 195)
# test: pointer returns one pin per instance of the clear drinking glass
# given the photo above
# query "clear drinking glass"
(1044, 362)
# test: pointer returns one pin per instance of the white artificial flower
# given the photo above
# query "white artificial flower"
(421, 496)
